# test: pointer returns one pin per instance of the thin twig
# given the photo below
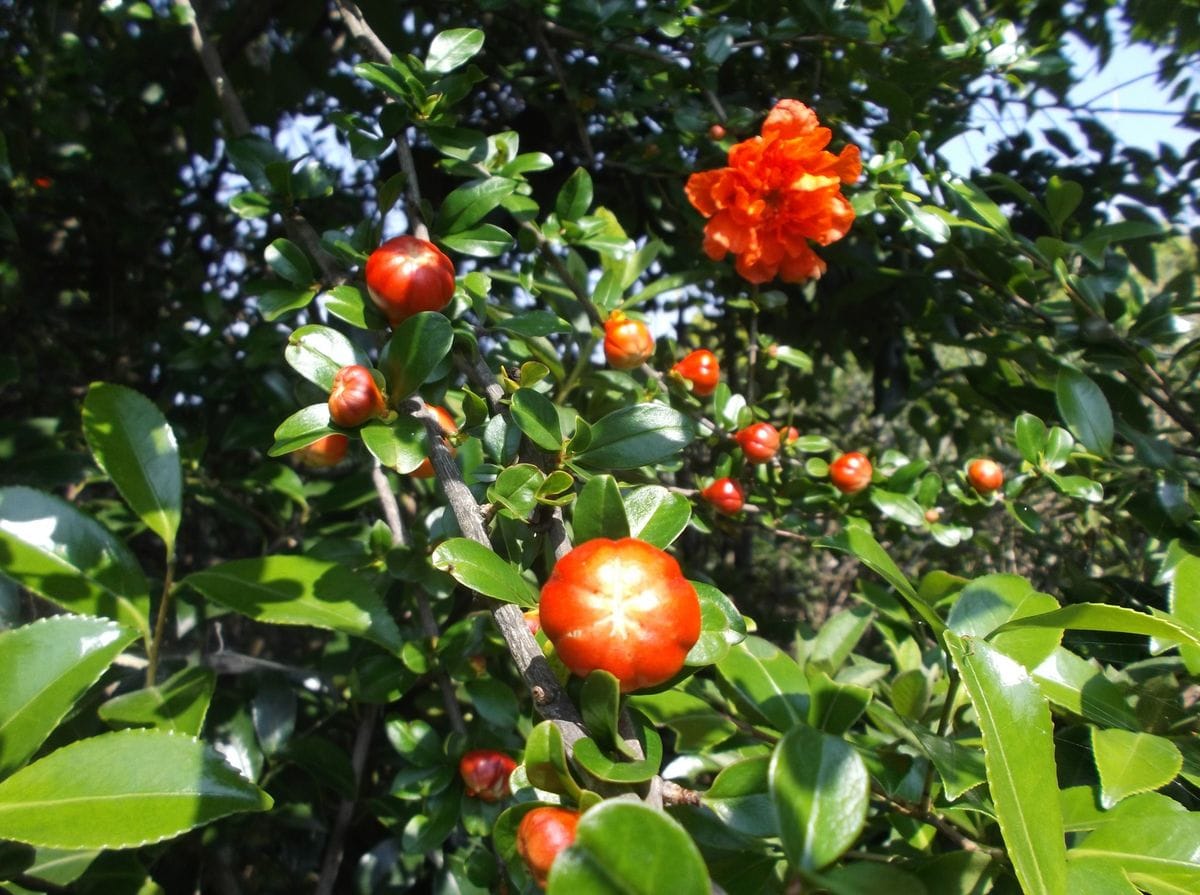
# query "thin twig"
(210, 59)
(345, 813)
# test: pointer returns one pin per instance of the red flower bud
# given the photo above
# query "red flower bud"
(759, 441)
(541, 835)
(627, 342)
(355, 398)
(725, 496)
(485, 773)
(702, 370)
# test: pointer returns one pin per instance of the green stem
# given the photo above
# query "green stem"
(160, 622)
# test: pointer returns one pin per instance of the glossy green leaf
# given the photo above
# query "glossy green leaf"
(289, 261)
(821, 790)
(348, 303)
(900, 507)
(1018, 745)
(1062, 198)
(909, 693)
(1030, 433)
(546, 761)
(603, 767)
(721, 627)
(122, 790)
(179, 704)
(740, 796)
(484, 241)
(1080, 686)
(960, 766)
(641, 435)
(766, 681)
(989, 602)
(575, 197)
(834, 707)
(599, 511)
(516, 489)
(1184, 602)
(135, 446)
(452, 48)
(301, 429)
(628, 848)
(698, 725)
(1104, 617)
(274, 303)
(479, 568)
(70, 559)
(837, 637)
(1131, 763)
(414, 351)
(1157, 853)
(300, 590)
(867, 876)
(533, 324)
(656, 515)
(398, 445)
(46, 667)
(1085, 410)
(318, 352)
(600, 705)
(860, 543)
(536, 416)
(470, 202)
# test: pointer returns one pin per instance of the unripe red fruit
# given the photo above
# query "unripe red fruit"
(790, 434)
(725, 496)
(932, 515)
(355, 398)
(851, 472)
(324, 452)
(985, 475)
(759, 442)
(485, 773)
(533, 621)
(446, 421)
(627, 342)
(624, 607)
(541, 835)
(702, 370)
(407, 275)
(717, 132)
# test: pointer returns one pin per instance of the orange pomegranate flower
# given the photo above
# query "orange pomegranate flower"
(780, 191)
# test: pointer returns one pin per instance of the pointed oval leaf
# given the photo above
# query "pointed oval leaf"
(122, 790)
(1030, 433)
(537, 417)
(626, 847)
(136, 448)
(1085, 410)
(70, 559)
(1018, 749)
(641, 435)
(721, 627)
(766, 681)
(656, 515)
(289, 261)
(348, 303)
(546, 761)
(821, 790)
(1131, 763)
(300, 590)
(1183, 598)
(479, 568)
(46, 667)
(484, 241)
(599, 511)
(318, 352)
(301, 429)
(398, 445)
(575, 197)
(1158, 851)
(740, 796)
(452, 48)
(991, 601)
(1104, 617)
(414, 351)
(470, 202)
(179, 704)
